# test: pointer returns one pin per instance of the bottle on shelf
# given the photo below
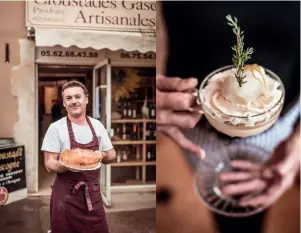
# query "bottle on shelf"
(148, 156)
(148, 132)
(139, 132)
(112, 132)
(154, 152)
(118, 156)
(118, 133)
(124, 109)
(124, 154)
(151, 153)
(129, 133)
(129, 110)
(152, 110)
(134, 107)
(134, 134)
(137, 153)
(124, 132)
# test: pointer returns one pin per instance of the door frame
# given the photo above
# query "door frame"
(107, 198)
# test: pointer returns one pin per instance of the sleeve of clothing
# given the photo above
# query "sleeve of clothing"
(105, 141)
(51, 142)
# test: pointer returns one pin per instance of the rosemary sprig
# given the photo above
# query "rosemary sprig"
(241, 55)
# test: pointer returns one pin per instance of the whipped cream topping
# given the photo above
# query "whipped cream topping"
(259, 94)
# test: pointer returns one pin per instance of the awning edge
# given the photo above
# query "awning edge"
(48, 37)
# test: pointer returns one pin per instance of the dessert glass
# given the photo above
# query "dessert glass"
(237, 126)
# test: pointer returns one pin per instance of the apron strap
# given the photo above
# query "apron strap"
(87, 193)
(93, 131)
(71, 134)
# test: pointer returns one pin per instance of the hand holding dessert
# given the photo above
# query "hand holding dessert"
(266, 183)
(176, 109)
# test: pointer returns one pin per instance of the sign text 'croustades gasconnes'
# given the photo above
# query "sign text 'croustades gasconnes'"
(132, 16)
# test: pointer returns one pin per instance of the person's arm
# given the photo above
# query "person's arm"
(52, 164)
(162, 41)
(52, 147)
(109, 156)
(291, 160)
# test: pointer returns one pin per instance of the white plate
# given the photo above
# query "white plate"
(84, 169)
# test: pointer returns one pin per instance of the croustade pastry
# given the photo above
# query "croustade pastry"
(81, 158)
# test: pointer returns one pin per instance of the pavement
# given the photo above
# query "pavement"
(32, 216)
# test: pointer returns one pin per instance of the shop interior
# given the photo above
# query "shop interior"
(133, 129)
(133, 126)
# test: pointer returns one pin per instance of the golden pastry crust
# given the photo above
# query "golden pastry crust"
(81, 158)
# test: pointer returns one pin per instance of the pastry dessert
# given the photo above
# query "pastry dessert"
(241, 100)
(81, 158)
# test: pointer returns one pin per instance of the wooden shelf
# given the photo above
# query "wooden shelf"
(128, 142)
(134, 121)
(150, 142)
(134, 164)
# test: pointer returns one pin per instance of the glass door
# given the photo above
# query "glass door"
(102, 111)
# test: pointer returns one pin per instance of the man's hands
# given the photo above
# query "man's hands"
(267, 182)
(176, 108)
(52, 164)
(108, 156)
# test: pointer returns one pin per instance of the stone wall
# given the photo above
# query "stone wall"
(17, 88)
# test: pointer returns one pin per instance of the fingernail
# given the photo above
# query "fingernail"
(193, 78)
(202, 154)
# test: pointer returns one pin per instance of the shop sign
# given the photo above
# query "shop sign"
(101, 15)
(12, 174)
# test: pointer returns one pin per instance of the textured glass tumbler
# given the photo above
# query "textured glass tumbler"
(208, 185)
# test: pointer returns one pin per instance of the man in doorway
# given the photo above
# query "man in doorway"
(76, 204)
(56, 110)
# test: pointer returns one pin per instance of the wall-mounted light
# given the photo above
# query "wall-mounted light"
(7, 59)
(30, 33)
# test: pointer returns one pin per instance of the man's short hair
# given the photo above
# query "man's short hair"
(74, 83)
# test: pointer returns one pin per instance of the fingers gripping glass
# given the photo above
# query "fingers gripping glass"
(209, 187)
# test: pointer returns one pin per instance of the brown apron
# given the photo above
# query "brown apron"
(76, 204)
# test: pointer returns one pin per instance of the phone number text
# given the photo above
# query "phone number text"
(144, 56)
(47, 53)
